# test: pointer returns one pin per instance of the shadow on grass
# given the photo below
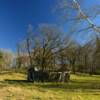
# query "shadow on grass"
(72, 85)
(18, 82)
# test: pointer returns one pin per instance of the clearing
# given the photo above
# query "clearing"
(13, 86)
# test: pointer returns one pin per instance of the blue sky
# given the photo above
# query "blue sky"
(16, 15)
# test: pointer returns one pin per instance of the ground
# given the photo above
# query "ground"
(13, 86)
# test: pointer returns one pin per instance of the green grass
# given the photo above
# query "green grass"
(81, 87)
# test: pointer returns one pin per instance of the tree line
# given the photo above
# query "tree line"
(49, 48)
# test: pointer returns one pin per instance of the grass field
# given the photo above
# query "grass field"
(81, 87)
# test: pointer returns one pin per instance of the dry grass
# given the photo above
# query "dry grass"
(80, 88)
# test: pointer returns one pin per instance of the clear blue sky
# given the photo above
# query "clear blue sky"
(15, 15)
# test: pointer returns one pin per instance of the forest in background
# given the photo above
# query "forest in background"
(48, 47)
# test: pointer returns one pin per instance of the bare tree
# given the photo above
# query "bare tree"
(8, 57)
(18, 56)
(49, 41)
(74, 12)
(1, 59)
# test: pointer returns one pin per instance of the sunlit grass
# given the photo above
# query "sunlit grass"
(83, 87)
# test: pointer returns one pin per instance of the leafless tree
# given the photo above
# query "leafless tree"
(73, 11)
